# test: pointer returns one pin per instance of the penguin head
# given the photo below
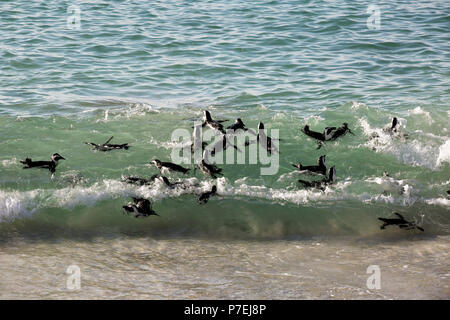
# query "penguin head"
(306, 128)
(56, 157)
(261, 126)
(345, 125)
(394, 122)
(156, 162)
(238, 121)
(332, 174)
(321, 160)
(214, 188)
(206, 115)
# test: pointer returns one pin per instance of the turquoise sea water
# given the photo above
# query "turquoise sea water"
(137, 70)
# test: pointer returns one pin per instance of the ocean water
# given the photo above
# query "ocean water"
(138, 70)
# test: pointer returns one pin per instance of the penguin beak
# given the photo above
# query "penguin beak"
(62, 158)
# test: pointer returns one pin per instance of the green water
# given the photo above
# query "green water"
(87, 190)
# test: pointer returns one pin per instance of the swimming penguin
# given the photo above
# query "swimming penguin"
(169, 166)
(209, 169)
(392, 130)
(50, 165)
(213, 124)
(313, 134)
(108, 146)
(264, 140)
(140, 181)
(204, 197)
(394, 126)
(321, 184)
(238, 125)
(320, 168)
(319, 137)
(400, 222)
(140, 208)
(333, 133)
(329, 133)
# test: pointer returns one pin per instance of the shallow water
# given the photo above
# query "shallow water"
(137, 267)
(137, 71)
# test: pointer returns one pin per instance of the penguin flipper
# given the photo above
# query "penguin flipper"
(399, 215)
(109, 140)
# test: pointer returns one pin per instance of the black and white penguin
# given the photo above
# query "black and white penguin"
(140, 208)
(163, 166)
(400, 222)
(321, 166)
(213, 124)
(50, 165)
(313, 134)
(329, 133)
(333, 133)
(209, 169)
(140, 181)
(264, 140)
(394, 126)
(204, 197)
(108, 146)
(238, 125)
(393, 130)
(321, 184)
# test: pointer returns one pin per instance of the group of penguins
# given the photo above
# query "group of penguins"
(141, 207)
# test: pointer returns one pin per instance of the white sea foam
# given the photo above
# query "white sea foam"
(444, 153)
(21, 204)
(438, 201)
(169, 145)
(417, 150)
(420, 111)
(15, 204)
(9, 162)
